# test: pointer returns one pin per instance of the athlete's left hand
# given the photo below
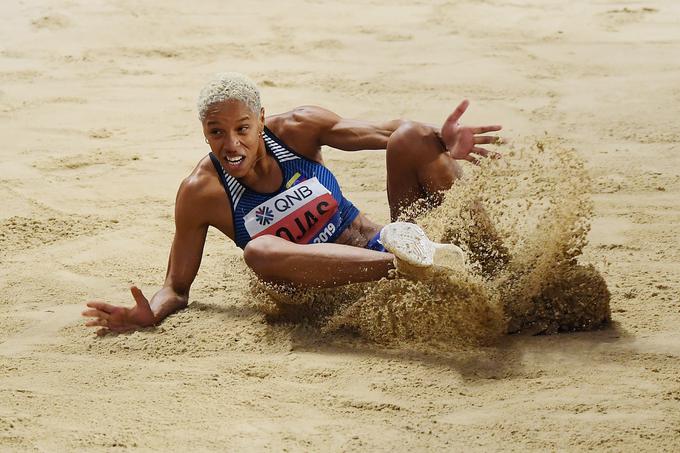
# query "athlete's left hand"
(461, 141)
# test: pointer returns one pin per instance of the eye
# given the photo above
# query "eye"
(243, 129)
(215, 132)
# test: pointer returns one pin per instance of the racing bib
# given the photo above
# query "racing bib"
(302, 214)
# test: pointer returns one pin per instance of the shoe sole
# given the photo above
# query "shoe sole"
(409, 243)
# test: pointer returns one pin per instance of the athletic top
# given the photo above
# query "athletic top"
(307, 208)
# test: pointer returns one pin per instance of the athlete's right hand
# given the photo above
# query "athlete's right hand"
(112, 318)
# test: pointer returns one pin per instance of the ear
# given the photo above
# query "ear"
(262, 117)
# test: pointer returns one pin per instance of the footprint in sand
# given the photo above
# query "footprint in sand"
(51, 22)
(20, 233)
(102, 157)
(100, 133)
(613, 19)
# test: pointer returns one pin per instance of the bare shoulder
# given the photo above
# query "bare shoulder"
(302, 128)
(201, 182)
(308, 116)
(201, 199)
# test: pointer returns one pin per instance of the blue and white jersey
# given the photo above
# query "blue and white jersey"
(308, 207)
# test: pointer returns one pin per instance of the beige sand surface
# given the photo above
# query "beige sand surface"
(98, 127)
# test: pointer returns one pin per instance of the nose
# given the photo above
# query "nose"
(231, 144)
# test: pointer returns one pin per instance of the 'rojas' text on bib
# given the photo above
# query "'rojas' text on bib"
(302, 214)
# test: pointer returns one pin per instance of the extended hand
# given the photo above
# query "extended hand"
(120, 319)
(461, 141)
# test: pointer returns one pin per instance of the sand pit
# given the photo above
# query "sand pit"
(99, 127)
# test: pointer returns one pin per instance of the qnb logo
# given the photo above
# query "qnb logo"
(298, 214)
(264, 215)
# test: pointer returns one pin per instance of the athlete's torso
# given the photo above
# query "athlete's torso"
(308, 207)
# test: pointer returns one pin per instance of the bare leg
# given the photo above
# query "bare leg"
(417, 167)
(277, 260)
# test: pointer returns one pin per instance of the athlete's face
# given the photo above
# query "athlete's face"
(233, 132)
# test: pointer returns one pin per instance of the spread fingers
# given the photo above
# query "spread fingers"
(101, 306)
(96, 314)
(471, 158)
(486, 153)
(483, 129)
(487, 139)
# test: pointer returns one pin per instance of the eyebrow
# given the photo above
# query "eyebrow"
(247, 117)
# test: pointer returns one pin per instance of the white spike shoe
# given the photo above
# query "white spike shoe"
(413, 249)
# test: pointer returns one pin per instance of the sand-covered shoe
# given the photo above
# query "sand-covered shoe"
(414, 251)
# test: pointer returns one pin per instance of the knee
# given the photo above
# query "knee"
(412, 137)
(262, 253)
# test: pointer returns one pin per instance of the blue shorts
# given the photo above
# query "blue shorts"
(375, 244)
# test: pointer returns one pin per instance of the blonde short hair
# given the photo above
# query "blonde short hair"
(229, 86)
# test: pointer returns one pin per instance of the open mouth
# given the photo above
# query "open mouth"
(235, 161)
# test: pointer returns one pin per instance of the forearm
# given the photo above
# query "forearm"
(385, 130)
(377, 135)
(354, 135)
(166, 302)
(380, 135)
(344, 133)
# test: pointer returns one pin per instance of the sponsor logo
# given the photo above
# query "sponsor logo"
(301, 214)
(264, 215)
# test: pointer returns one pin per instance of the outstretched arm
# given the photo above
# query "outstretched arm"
(352, 135)
(342, 133)
(183, 264)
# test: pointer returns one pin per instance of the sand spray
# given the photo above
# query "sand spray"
(523, 222)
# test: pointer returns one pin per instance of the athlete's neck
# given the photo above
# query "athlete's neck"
(265, 175)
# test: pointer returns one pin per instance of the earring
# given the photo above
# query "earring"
(206, 140)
